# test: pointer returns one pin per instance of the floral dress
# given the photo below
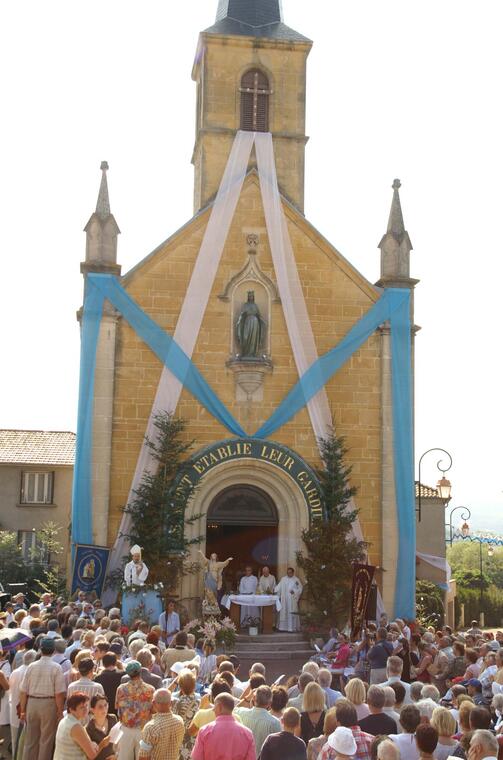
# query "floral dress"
(186, 708)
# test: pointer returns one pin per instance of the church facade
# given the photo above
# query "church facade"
(255, 493)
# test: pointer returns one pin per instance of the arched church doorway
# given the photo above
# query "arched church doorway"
(242, 522)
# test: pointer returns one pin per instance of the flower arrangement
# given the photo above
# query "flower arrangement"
(218, 632)
(134, 589)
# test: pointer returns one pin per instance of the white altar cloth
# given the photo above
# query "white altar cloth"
(252, 600)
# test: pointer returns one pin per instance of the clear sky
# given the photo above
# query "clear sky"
(396, 89)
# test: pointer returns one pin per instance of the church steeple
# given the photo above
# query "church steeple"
(250, 70)
(101, 233)
(257, 13)
(396, 246)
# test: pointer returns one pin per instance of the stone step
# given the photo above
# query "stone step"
(273, 638)
(270, 655)
(281, 646)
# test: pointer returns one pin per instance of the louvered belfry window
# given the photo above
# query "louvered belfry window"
(255, 101)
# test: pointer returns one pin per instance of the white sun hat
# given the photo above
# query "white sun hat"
(343, 741)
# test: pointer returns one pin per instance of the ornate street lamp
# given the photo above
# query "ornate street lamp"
(464, 535)
(443, 486)
(465, 528)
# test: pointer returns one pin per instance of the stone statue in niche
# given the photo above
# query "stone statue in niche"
(250, 329)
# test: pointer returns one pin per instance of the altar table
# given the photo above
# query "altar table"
(234, 601)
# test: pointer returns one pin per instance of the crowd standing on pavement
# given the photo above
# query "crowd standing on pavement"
(81, 684)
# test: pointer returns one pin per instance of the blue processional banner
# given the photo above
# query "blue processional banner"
(89, 568)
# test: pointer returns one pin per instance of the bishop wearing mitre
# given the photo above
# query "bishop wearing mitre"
(267, 582)
(136, 571)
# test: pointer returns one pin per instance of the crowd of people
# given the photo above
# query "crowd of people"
(81, 684)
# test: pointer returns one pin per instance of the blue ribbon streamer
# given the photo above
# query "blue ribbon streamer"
(327, 365)
(166, 349)
(82, 528)
(401, 386)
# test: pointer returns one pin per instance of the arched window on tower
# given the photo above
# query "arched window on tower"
(255, 101)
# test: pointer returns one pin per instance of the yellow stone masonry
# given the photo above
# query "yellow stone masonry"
(336, 298)
(223, 61)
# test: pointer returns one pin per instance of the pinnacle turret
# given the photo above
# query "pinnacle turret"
(101, 232)
(395, 245)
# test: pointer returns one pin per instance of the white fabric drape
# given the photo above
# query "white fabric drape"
(290, 289)
(439, 562)
(191, 316)
(199, 289)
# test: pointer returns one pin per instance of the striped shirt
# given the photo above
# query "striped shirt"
(43, 679)
(91, 688)
(260, 722)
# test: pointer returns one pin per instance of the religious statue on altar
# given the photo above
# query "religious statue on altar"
(212, 582)
(267, 582)
(289, 589)
(136, 571)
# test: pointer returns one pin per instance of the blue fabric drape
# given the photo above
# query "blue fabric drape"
(401, 385)
(327, 365)
(394, 305)
(82, 529)
(166, 349)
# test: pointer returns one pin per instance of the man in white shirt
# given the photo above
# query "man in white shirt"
(45, 601)
(41, 701)
(248, 585)
(53, 630)
(15, 679)
(85, 683)
(483, 746)
(325, 681)
(410, 719)
(394, 668)
(33, 614)
(169, 622)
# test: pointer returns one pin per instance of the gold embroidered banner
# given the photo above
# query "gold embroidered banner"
(362, 583)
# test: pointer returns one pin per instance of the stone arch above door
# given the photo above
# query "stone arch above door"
(288, 498)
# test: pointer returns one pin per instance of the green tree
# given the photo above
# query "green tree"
(158, 509)
(12, 565)
(471, 579)
(48, 561)
(429, 604)
(330, 547)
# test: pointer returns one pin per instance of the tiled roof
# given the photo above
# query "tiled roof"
(277, 31)
(426, 491)
(37, 447)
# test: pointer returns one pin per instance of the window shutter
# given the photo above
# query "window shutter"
(262, 113)
(247, 111)
(255, 101)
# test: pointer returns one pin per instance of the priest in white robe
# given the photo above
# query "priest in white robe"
(136, 571)
(289, 589)
(248, 585)
(267, 582)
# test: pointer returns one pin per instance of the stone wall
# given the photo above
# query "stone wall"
(336, 296)
(218, 74)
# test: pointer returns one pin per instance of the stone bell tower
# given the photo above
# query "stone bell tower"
(250, 70)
